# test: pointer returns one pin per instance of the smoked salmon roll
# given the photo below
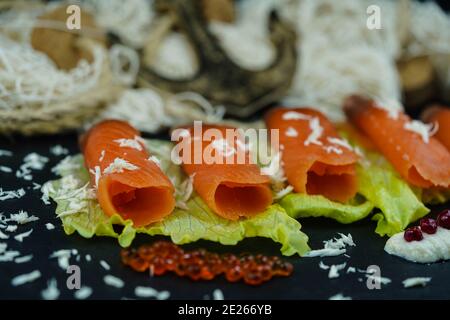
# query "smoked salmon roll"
(314, 158)
(223, 175)
(408, 144)
(129, 183)
(439, 116)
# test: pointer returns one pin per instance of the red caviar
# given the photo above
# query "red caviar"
(163, 256)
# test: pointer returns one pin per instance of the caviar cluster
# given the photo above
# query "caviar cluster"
(428, 226)
(163, 256)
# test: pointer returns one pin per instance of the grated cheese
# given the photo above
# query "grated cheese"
(105, 265)
(323, 266)
(333, 247)
(63, 257)
(294, 115)
(8, 256)
(291, 132)
(88, 257)
(280, 194)
(351, 270)
(334, 270)
(379, 279)
(49, 226)
(155, 160)
(51, 292)
(23, 259)
(424, 130)
(416, 281)
(340, 142)
(184, 192)
(102, 156)
(119, 165)
(6, 153)
(25, 278)
(83, 293)
(148, 292)
(66, 165)
(32, 161)
(218, 294)
(22, 236)
(22, 217)
(113, 281)
(36, 186)
(326, 252)
(392, 107)
(330, 149)
(5, 169)
(316, 132)
(6, 195)
(71, 191)
(46, 189)
(58, 150)
(339, 296)
(97, 173)
(11, 228)
(134, 143)
(3, 236)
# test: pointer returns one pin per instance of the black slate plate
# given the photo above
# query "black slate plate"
(307, 282)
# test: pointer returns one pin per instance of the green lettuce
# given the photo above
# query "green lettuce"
(387, 191)
(380, 184)
(299, 205)
(190, 224)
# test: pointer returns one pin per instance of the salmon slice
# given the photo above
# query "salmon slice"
(128, 183)
(230, 188)
(441, 116)
(315, 159)
(420, 159)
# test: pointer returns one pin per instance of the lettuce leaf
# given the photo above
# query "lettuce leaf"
(301, 206)
(380, 184)
(195, 222)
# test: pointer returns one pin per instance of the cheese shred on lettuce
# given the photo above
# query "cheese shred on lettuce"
(81, 213)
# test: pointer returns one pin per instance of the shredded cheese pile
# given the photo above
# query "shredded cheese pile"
(72, 191)
(333, 247)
